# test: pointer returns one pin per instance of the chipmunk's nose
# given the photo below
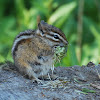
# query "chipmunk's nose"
(63, 44)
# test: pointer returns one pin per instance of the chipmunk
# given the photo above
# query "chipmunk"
(33, 50)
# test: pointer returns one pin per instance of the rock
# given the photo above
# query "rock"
(14, 86)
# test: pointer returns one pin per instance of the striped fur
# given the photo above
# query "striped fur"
(44, 30)
(22, 36)
(51, 31)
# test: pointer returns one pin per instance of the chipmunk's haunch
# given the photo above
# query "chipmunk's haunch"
(33, 51)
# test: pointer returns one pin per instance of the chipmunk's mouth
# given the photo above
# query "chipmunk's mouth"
(55, 46)
(61, 46)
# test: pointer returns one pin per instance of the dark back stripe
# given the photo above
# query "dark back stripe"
(16, 47)
(25, 33)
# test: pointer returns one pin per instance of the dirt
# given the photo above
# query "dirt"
(74, 83)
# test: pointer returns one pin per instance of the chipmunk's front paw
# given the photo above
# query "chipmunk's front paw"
(53, 77)
(48, 77)
(38, 81)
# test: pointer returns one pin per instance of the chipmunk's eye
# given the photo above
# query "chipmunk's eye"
(56, 36)
(42, 32)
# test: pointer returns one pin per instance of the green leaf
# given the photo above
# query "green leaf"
(62, 12)
(85, 90)
(2, 59)
(94, 32)
(97, 36)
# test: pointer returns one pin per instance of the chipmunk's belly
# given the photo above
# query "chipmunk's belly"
(47, 66)
(44, 68)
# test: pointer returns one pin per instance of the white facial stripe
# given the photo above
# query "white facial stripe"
(19, 39)
(59, 36)
(38, 31)
(50, 37)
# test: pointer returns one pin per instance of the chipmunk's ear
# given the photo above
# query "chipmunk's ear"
(41, 26)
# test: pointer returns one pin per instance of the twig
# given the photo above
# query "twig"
(80, 27)
(38, 19)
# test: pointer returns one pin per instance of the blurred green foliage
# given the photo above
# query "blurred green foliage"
(20, 15)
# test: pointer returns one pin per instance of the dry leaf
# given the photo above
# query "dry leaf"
(95, 85)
